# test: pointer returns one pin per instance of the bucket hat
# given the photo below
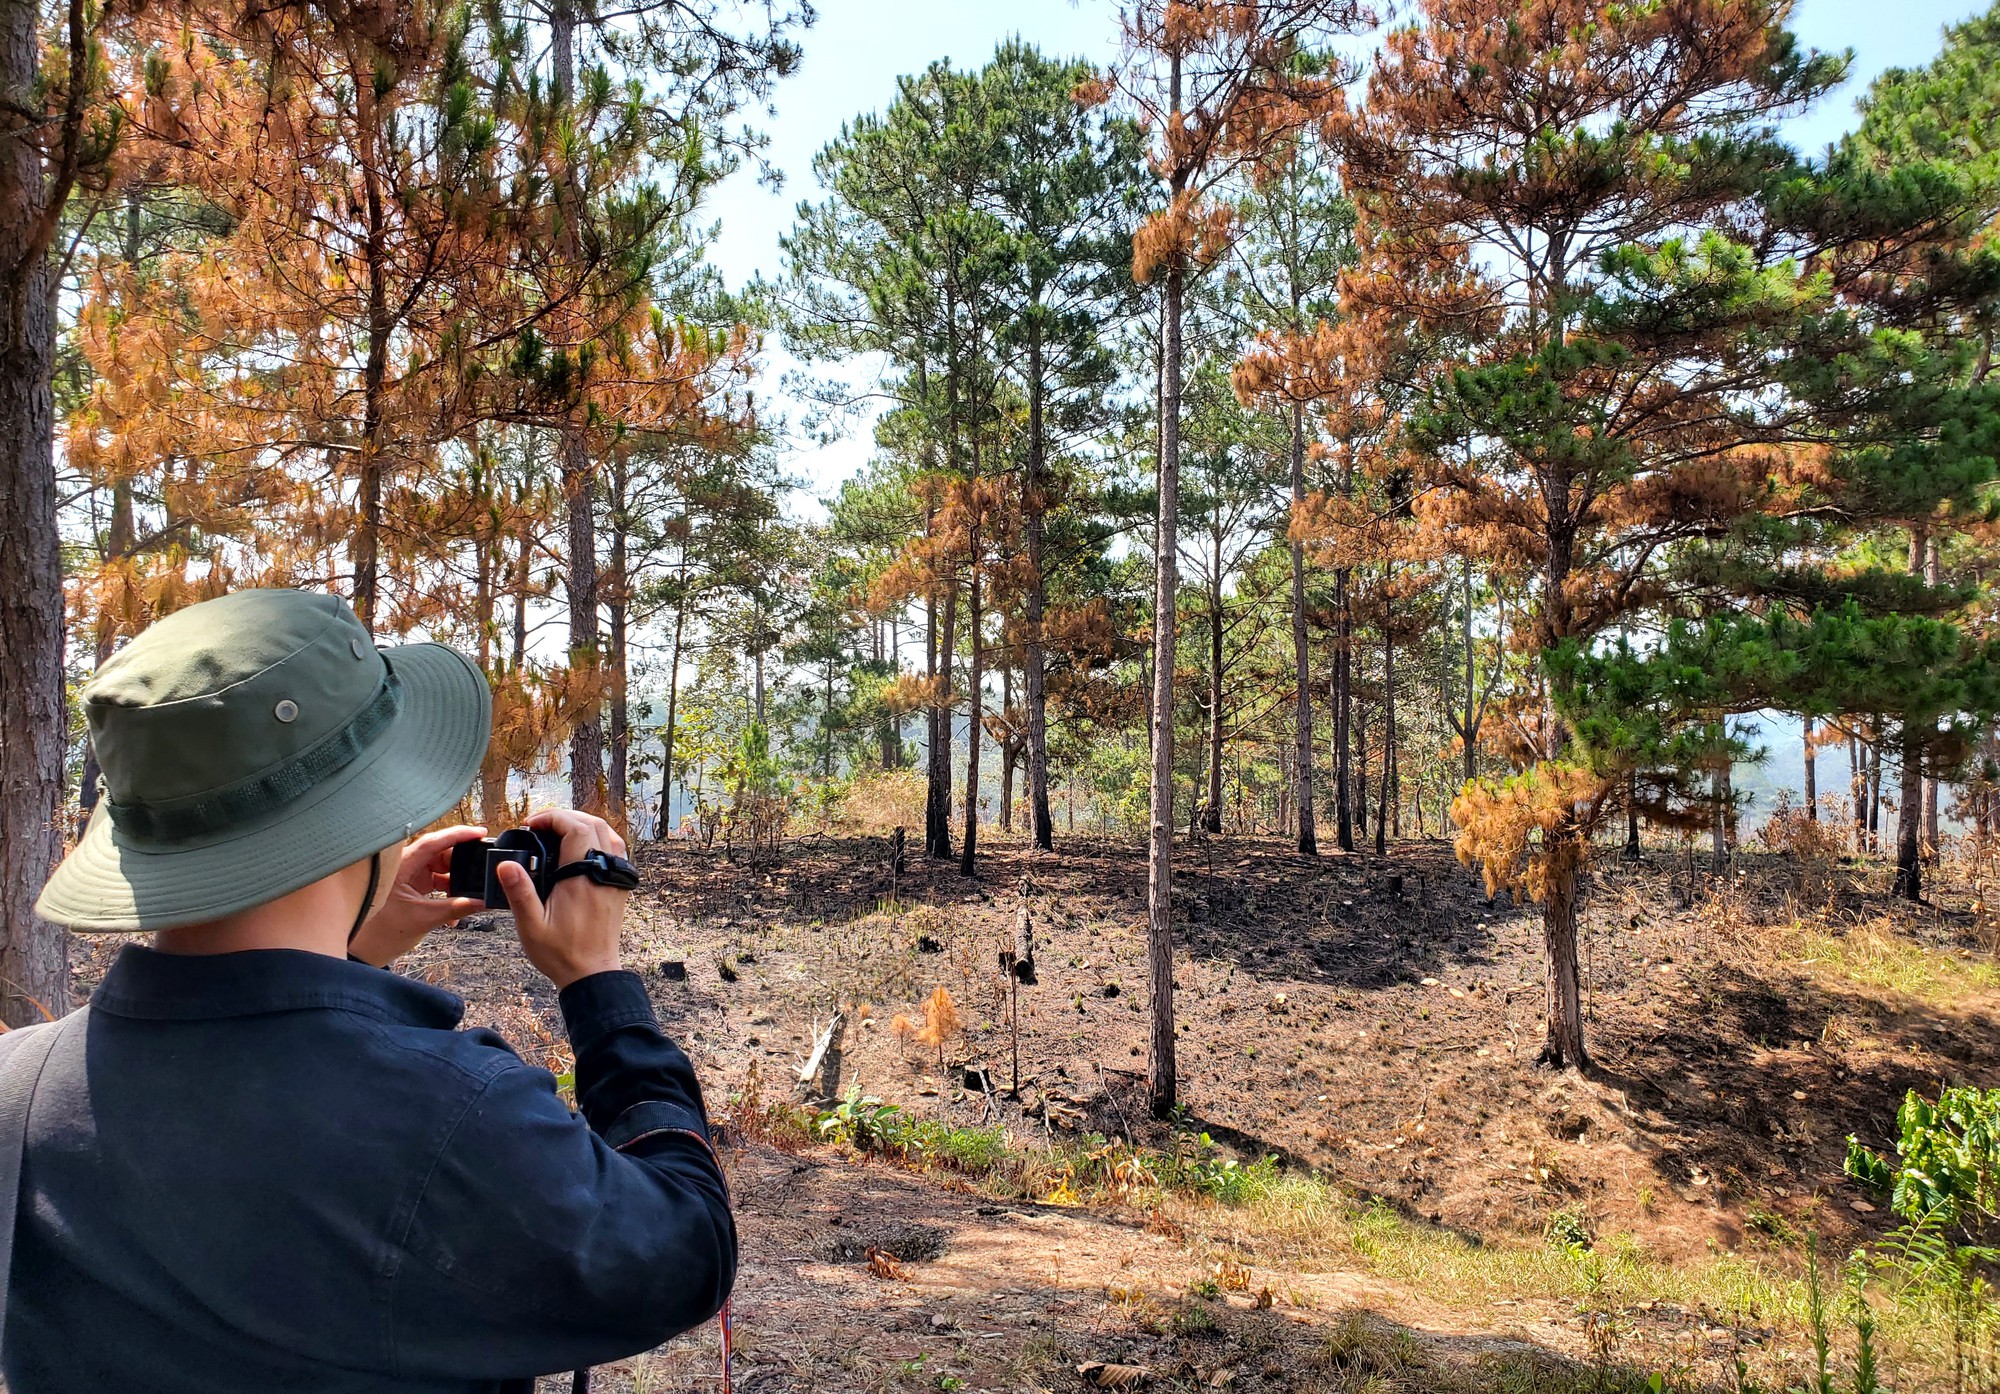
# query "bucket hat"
(253, 744)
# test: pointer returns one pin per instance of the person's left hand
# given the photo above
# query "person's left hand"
(411, 905)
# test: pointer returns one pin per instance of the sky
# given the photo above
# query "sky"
(858, 48)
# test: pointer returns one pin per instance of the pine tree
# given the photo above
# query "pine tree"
(1600, 159)
(56, 133)
(1066, 183)
(1222, 86)
(1298, 235)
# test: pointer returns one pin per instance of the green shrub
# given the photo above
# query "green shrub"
(974, 1151)
(1200, 1166)
(865, 1124)
(1569, 1229)
(1947, 1168)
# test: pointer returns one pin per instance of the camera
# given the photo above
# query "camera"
(475, 865)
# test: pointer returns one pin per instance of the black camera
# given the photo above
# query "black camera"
(475, 865)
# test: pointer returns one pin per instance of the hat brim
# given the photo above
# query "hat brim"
(410, 777)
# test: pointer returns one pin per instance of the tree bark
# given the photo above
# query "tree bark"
(1874, 754)
(586, 745)
(1718, 856)
(1390, 792)
(586, 742)
(1909, 817)
(826, 724)
(1563, 999)
(1161, 1066)
(968, 849)
(1211, 814)
(367, 541)
(618, 606)
(1009, 750)
(665, 821)
(1811, 771)
(937, 794)
(1034, 670)
(1933, 577)
(1857, 788)
(34, 955)
(1361, 773)
(1474, 709)
(1632, 849)
(1302, 711)
(1343, 712)
(891, 734)
(488, 556)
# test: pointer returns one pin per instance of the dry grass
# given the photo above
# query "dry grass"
(1876, 954)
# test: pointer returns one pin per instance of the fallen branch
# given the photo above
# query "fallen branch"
(812, 1062)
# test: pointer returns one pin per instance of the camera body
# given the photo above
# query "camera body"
(474, 865)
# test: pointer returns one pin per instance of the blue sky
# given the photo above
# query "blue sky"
(856, 51)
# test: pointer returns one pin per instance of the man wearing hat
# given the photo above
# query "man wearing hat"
(259, 1161)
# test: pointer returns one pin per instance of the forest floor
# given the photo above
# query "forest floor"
(1441, 1214)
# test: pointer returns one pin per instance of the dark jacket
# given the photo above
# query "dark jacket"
(279, 1171)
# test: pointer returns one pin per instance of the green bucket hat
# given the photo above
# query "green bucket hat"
(252, 745)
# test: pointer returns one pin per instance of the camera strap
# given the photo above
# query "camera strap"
(724, 1324)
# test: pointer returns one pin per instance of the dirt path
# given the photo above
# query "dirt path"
(859, 1276)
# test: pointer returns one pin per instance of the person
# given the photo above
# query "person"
(266, 1161)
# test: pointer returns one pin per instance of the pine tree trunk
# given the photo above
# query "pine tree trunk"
(494, 772)
(367, 541)
(1161, 1082)
(937, 795)
(966, 864)
(1874, 754)
(889, 734)
(1302, 711)
(1563, 998)
(1812, 771)
(1909, 817)
(1469, 728)
(667, 735)
(1009, 750)
(1361, 772)
(1211, 815)
(1035, 671)
(489, 556)
(1718, 856)
(1933, 576)
(618, 607)
(586, 742)
(1343, 712)
(34, 955)
(1389, 790)
(1857, 787)
(1930, 849)
(826, 725)
(1632, 848)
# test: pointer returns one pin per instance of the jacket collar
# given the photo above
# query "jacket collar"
(147, 984)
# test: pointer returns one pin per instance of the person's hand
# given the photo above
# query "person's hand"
(411, 905)
(576, 933)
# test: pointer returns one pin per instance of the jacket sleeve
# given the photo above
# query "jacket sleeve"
(544, 1241)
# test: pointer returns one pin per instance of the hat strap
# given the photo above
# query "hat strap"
(368, 896)
(247, 800)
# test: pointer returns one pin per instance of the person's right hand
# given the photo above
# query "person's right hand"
(576, 933)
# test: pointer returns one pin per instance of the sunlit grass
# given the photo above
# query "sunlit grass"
(1872, 955)
(1294, 1224)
